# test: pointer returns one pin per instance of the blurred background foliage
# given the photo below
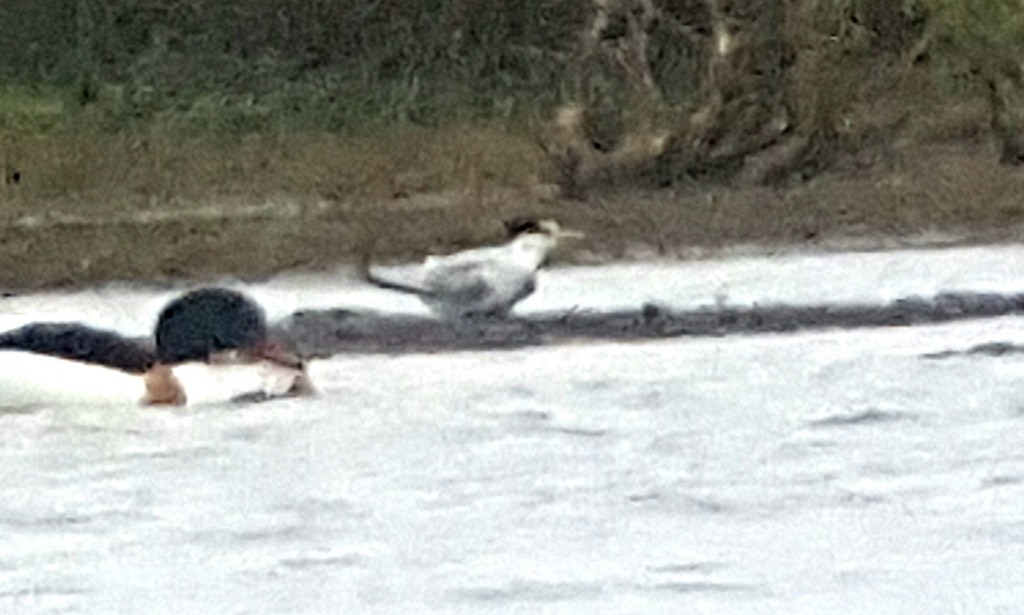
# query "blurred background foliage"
(649, 72)
(294, 64)
(317, 126)
(331, 64)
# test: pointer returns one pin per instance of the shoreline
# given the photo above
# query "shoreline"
(182, 250)
(932, 197)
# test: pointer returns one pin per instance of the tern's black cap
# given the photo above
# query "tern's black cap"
(521, 225)
(206, 321)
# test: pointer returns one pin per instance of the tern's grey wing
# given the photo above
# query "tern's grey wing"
(463, 284)
(525, 289)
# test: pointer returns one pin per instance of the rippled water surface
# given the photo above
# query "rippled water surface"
(834, 472)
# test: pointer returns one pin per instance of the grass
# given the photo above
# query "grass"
(91, 172)
(150, 202)
(925, 194)
(30, 110)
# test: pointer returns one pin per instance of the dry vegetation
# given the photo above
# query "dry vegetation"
(201, 138)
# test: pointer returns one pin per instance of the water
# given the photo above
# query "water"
(826, 472)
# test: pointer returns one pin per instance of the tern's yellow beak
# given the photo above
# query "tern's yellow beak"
(569, 234)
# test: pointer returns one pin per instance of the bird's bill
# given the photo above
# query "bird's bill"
(270, 352)
(278, 354)
(284, 373)
(569, 234)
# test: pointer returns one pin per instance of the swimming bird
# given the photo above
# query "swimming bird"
(208, 325)
(484, 282)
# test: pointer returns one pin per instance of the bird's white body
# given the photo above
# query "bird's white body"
(485, 282)
(33, 380)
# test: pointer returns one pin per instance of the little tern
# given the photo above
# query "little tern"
(483, 283)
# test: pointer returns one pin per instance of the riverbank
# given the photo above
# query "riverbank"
(921, 195)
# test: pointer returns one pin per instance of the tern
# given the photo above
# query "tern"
(483, 283)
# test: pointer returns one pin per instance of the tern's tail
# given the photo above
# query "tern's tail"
(367, 274)
(380, 282)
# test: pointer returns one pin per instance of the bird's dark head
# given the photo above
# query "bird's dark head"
(521, 225)
(207, 322)
(517, 227)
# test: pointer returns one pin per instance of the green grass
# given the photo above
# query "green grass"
(88, 171)
(31, 110)
(421, 144)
